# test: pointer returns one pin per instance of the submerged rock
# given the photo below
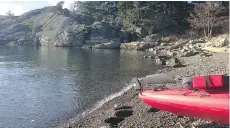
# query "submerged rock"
(86, 46)
(148, 56)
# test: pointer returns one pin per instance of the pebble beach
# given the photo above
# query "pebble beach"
(141, 115)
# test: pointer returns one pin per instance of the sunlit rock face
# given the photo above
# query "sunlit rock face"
(50, 26)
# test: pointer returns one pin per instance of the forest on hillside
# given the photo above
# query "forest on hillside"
(95, 22)
(161, 17)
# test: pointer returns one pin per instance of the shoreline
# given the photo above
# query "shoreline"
(95, 107)
(142, 115)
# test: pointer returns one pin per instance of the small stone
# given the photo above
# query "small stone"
(153, 110)
(150, 56)
(115, 106)
(181, 126)
(170, 53)
(151, 49)
(163, 44)
(180, 116)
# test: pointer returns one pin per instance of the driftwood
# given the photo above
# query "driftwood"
(220, 50)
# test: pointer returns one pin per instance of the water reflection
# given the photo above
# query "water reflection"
(41, 86)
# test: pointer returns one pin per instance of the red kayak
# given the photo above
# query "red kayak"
(203, 104)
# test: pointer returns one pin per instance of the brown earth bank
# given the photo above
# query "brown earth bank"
(139, 115)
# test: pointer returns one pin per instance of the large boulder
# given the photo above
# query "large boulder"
(109, 45)
(99, 46)
(112, 45)
(217, 42)
(171, 53)
(142, 45)
(187, 53)
(175, 62)
(129, 46)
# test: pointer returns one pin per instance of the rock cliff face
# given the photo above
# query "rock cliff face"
(52, 27)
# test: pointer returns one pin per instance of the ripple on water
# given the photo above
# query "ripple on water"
(41, 87)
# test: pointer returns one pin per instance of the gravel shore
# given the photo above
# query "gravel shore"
(143, 116)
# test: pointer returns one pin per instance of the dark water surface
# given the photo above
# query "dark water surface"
(41, 86)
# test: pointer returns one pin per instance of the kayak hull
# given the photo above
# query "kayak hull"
(213, 106)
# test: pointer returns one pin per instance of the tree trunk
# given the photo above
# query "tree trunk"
(208, 24)
(210, 33)
(205, 33)
(138, 12)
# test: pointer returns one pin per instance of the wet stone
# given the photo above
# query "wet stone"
(113, 120)
(153, 110)
(124, 113)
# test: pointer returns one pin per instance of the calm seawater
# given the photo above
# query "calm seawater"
(41, 86)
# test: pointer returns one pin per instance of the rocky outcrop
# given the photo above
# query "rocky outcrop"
(181, 48)
(50, 26)
(19, 33)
